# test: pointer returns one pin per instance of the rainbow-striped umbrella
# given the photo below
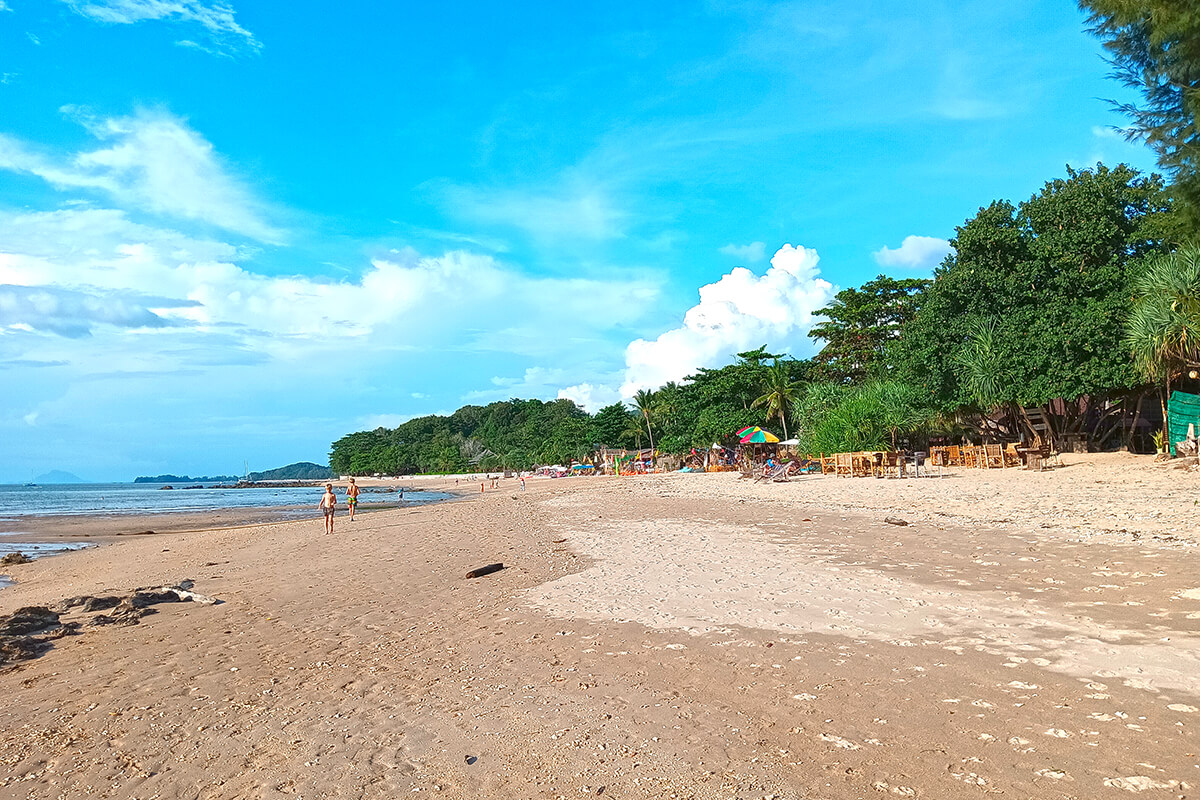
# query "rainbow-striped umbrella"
(756, 435)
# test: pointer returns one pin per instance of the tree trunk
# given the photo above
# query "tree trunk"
(650, 433)
(1137, 416)
(1166, 428)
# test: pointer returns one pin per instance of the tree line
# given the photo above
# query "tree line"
(1059, 314)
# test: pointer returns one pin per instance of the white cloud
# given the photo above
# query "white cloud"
(154, 161)
(571, 212)
(93, 258)
(750, 253)
(5, 6)
(31, 418)
(915, 252)
(216, 18)
(74, 314)
(589, 397)
(33, 38)
(739, 312)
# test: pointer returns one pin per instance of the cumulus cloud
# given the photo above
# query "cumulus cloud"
(74, 314)
(915, 252)
(739, 312)
(750, 253)
(216, 19)
(590, 397)
(402, 298)
(153, 161)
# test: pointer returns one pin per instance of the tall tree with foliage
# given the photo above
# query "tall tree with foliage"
(1154, 47)
(779, 393)
(862, 324)
(1163, 329)
(1054, 276)
(643, 401)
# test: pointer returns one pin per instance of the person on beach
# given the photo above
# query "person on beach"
(352, 498)
(328, 504)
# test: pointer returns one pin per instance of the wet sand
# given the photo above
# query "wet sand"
(1036, 635)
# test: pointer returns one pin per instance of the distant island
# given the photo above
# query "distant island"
(184, 479)
(300, 471)
(58, 476)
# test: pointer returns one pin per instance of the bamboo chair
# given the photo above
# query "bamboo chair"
(862, 464)
(828, 465)
(993, 457)
(954, 456)
(1011, 457)
(893, 465)
(969, 456)
(843, 465)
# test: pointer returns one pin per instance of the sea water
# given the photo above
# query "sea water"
(17, 502)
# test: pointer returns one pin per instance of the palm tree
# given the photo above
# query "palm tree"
(779, 393)
(1163, 329)
(643, 401)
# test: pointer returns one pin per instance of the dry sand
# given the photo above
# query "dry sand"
(1030, 634)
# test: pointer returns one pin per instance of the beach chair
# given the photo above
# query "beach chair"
(862, 464)
(969, 456)
(778, 473)
(992, 457)
(1011, 457)
(828, 465)
(953, 456)
(893, 465)
(843, 465)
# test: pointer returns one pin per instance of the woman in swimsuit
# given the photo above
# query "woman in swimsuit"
(328, 504)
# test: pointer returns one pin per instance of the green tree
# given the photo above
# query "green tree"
(1154, 47)
(779, 393)
(1053, 274)
(862, 324)
(643, 401)
(1163, 329)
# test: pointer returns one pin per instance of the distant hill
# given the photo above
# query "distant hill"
(57, 476)
(300, 471)
(185, 479)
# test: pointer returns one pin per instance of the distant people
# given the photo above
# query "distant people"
(522, 483)
(328, 504)
(352, 498)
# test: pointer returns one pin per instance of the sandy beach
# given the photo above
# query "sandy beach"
(1025, 634)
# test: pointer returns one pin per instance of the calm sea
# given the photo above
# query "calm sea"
(22, 502)
(17, 502)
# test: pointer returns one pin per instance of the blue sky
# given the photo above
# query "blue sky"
(234, 232)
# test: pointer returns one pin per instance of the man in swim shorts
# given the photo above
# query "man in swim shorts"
(352, 498)
(328, 504)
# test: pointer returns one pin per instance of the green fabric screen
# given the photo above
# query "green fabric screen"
(1182, 408)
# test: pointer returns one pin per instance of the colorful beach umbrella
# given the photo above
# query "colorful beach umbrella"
(756, 435)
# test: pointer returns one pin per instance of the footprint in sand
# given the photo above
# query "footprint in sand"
(902, 791)
(1140, 783)
(1053, 774)
(838, 741)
